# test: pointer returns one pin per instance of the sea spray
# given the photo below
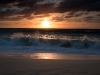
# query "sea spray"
(49, 40)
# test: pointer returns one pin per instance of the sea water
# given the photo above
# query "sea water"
(77, 41)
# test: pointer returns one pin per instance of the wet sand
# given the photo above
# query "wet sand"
(24, 66)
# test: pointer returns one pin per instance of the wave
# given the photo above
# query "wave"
(63, 41)
(39, 40)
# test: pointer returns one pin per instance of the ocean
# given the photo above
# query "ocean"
(77, 41)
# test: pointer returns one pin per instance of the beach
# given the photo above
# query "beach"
(10, 65)
(49, 51)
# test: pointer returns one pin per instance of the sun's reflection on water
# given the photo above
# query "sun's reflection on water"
(46, 56)
(56, 56)
(63, 56)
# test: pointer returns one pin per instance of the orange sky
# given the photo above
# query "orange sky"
(58, 13)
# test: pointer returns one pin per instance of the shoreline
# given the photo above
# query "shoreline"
(10, 65)
(52, 56)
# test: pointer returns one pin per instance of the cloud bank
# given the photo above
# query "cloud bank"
(25, 8)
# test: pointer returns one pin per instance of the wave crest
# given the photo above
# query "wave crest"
(39, 40)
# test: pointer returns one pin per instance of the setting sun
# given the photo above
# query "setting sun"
(45, 23)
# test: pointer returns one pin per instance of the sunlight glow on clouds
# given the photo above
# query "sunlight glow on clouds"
(62, 13)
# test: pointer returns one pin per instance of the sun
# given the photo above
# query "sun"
(45, 23)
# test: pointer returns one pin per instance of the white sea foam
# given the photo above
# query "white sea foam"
(50, 42)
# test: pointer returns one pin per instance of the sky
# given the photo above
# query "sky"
(69, 14)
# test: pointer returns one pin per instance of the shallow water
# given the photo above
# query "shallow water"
(53, 56)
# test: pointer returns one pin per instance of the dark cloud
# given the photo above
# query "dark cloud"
(26, 11)
(58, 19)
(4, 2)
(98, 15)
(78, 15)
(41, 16)
(45, 8)
(29, 7)
(25, 8)
(68, 16)
(79, 5)
(28, 3)
(86, 13)
(89, 17)
(92, 20)
(20, 3)
(17, 18)
(8, 12)
(73, 14)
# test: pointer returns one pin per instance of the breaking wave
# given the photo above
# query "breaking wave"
(40, 40)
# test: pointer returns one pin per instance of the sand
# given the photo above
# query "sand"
(26, 66)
